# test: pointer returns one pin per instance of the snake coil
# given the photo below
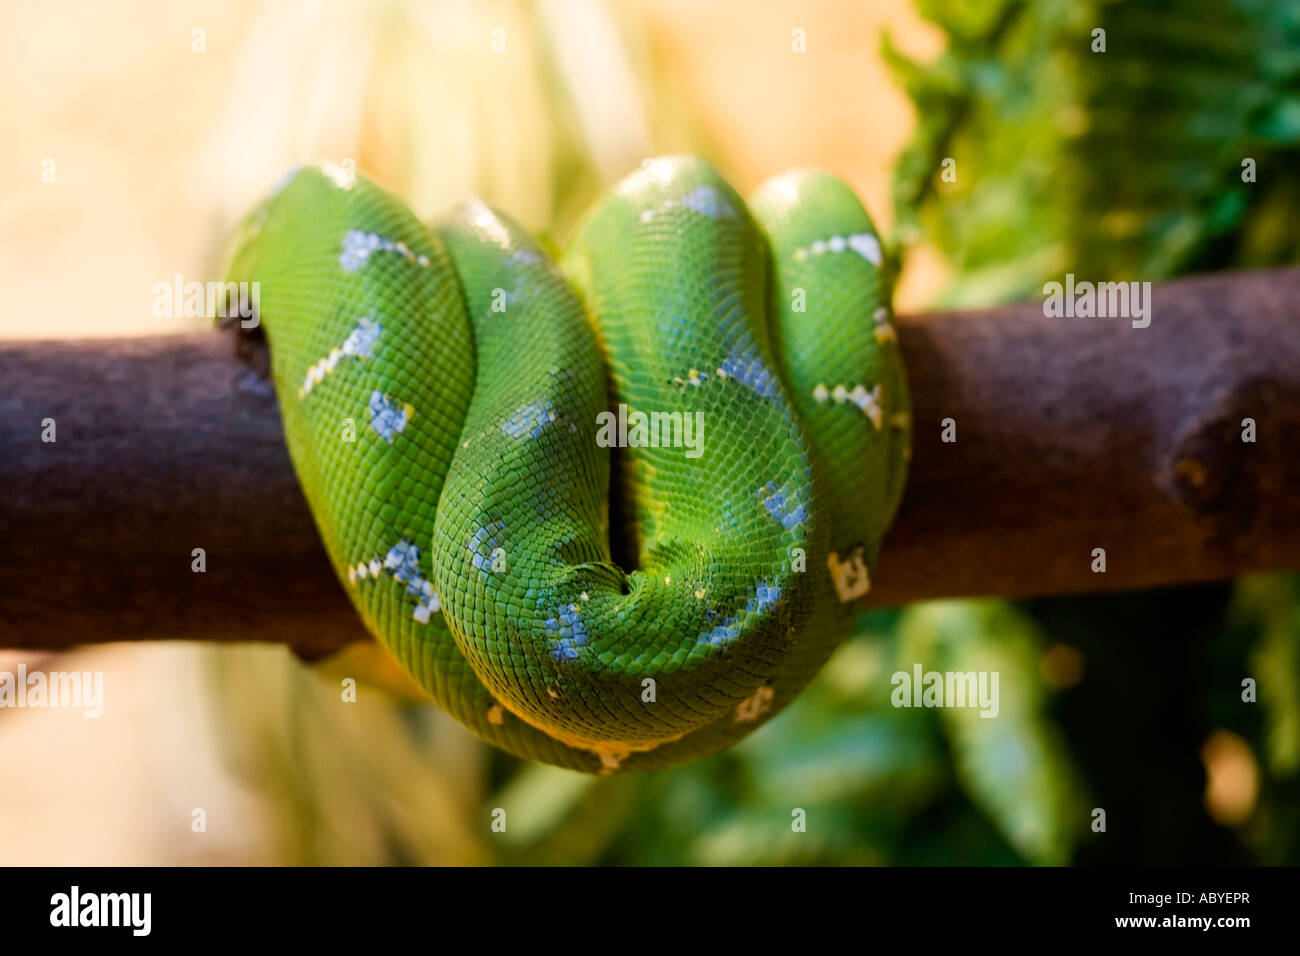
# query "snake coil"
(611, 512)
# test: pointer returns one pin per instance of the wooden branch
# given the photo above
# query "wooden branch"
(1072, 434)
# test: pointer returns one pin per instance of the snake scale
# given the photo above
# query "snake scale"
(612, 511)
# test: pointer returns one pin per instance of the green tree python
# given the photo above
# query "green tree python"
(613, 511)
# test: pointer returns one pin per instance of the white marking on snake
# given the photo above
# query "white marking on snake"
(705, 200)
(850, 575)
(388, 418)
(359, 246)
(863, 243)
(755, 705)
(783, 505)
(483, 542)
(570, 632)
(884, 331)
(403, 562)
(745, 365)
(868, 402)
(339, 176)
(722, 633)
(489, 223)
(867, 246)
(360, 344)
(609, 762)
(708, 201)
(529, 420)
(763, 600)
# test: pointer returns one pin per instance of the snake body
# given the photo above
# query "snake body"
(449, 399)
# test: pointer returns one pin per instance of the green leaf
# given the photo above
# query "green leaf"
(1010, 757)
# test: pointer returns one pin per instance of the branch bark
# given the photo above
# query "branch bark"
(1072, 434)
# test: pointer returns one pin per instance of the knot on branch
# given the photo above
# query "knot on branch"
(1221, 468)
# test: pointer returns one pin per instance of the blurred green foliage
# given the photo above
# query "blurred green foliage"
(1123, 164)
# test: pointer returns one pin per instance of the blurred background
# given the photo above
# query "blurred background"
(139, 132)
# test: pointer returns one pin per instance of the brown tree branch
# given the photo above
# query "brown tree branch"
(1072, 434)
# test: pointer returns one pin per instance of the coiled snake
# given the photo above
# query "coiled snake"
(610, 513)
